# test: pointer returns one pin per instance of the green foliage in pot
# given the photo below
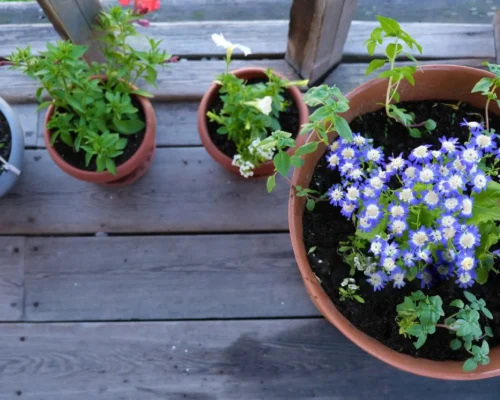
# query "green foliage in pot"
(95, 116)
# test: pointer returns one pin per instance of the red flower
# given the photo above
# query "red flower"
(142, 6)
(145, 6)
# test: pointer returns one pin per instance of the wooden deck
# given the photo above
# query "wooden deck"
(184, 285)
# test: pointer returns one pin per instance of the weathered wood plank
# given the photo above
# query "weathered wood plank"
(496, 31)
(269, 38)
(222, 360)
(186, 80)
(185, 191)
(455, 11)
(74, 20)
(11, 278)
(163, 277)
(317, 34)
(29, 121)
(348, 76)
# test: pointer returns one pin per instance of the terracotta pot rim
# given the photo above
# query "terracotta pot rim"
(266, 168)
(123, 169)
(424, 367)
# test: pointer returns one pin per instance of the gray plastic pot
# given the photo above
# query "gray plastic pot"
(8, 178)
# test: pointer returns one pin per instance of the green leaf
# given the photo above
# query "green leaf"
(271, 183)
(75, 104)
(78, 51)
(390, 26)
(457, 303)
(342, 127)
(485, 348)
(469, 296)
(483, 85)
(282, 163)
(311, 250)
(410, 57)
(143, 93)
(370, 47)
(307, 148)
(321, 114)
(486, 205)
(110, 165)
(359, 299)
(430, 125)
(469, 365)
(455, 344)
(296, 161)
(128, 127)
(393, 50)
(488, 331)
(487, 313)
(415, 132)
(310, 204)
(420, 341)
(482, 276)
(43, 105)
(374, 65)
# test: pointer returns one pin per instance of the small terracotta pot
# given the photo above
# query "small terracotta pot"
(434, 82)
(128, 172)
(267, 168)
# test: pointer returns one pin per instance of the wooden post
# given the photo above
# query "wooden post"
(317, 33)
(74, 20)
(496, 35)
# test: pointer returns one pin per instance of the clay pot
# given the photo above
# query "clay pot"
(128, 172)
(435, 82)
(267, 168)
(8, 179)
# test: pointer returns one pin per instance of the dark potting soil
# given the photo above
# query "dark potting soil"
(77, 159)
(5, 139)
(289, 121)
(325, 227)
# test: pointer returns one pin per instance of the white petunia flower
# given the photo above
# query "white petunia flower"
(221, 41)
(263, 105)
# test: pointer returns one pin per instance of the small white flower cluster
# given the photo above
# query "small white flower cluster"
(246, 167)
(368, 266)
(350, 283)
(256, 150)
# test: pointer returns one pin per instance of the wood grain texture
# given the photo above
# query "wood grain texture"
(11, 278)
(496, 31)
(75, 20)
(317, 34)
(185, 191)
(163, 277)
(29, 121)
(185, 80)
(454, 11)
(223, 360)
(269, 38)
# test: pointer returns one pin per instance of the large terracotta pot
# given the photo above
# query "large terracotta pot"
(434, 82)
(267, 168)
(128, 172)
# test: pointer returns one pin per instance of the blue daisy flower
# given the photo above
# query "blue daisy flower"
(377, 245)
(431, 199)
(426, 278)
(466, 261)
(470, 155)
(484, 141)
(336, 194)
(445, 271)
(479, 182)
(391, 249)
(407, 196)
(408, 258)
(375, 155)
(468, 239)
(421, 154)
(377, 280)
(465, 279)
(420, 238)
(333, 160)
(398, 278)
(397, 211)
(449, 146)
(398, 226)
(347, 208)
(424, 255)
(466, 204)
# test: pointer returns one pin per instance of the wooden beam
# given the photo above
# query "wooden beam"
(496, 35)
(317, 32)
(74, 20)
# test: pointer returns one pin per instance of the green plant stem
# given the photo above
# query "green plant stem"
(388, 96)
(486, 107)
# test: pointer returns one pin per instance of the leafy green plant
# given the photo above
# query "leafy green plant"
(330, 103)
(488, 87)
(419, 314)
(249, 111)
(348, 290)
(390, 32)
(95, 116)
